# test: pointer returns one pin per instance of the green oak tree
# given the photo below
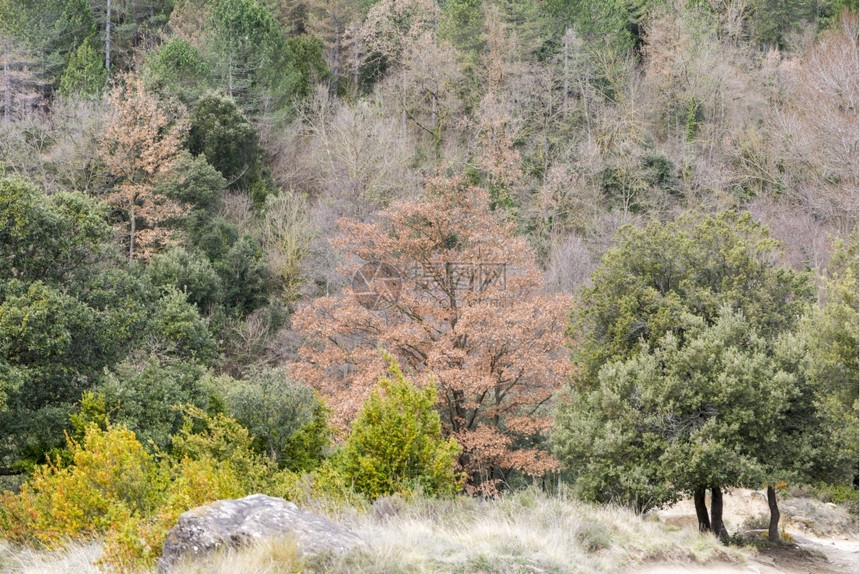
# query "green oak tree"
(144, 392)
(275, 410)
(696, 264)
(69, 310)
(829, 333)
(698, 410)
(222, 134)
(678, 387)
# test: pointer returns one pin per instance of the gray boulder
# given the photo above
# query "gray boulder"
(232, 523)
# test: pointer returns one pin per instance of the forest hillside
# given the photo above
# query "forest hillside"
(348, 249)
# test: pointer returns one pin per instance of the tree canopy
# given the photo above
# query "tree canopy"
(687, 376)
(450, 290)
(696, 264)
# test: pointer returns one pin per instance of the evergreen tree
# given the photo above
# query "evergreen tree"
(52, 31)
(695, 264)
(396, 444)
(85, 74)
(251, 55)
(180, 69)
(678, 388)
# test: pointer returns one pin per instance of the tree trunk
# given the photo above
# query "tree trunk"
(230, 75)
(773, 527)
(355, 62)
(701, 510)
(7, 88)
(131, 234)
(403, 102)
(717, 526)
(107, 38)
(335, 58)
(434, 115)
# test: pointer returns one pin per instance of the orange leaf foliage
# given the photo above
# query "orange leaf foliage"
(470, 310)
(141, 142)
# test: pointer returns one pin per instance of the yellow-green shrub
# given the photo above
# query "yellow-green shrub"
(396, 444)
(116, 489)
(326, 484)
(223, 441)
(111, 475)
(136, 541)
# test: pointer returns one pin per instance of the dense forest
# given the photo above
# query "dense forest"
(364, 247)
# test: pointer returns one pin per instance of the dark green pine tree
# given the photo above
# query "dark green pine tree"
(85, 75)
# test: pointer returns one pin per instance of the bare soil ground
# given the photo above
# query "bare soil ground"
(821, 538)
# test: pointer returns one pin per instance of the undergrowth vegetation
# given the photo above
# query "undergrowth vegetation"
(107, 484)
(527, 531)
(114, 488)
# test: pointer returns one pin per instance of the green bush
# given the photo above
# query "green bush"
(306, 448)
(144, 391)
(111, 475)
(286, 420)
(396, 444)
(191, 273)
(222, 133)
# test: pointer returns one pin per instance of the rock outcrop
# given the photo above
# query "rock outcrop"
(233, 523)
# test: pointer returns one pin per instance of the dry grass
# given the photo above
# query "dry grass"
(526, 532)
(75, 558)
(269, 556)
(523, 532)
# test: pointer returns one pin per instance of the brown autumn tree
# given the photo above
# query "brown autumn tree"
(446, 287)
(141, 143)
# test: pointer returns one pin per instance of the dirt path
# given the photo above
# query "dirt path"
(805, 557)
(824, 538)
(842, 555)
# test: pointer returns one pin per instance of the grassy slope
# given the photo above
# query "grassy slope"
(524, 532)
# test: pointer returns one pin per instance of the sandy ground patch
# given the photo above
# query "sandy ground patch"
(811, 552)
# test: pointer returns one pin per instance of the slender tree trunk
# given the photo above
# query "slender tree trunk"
(335, 60)
(355, 62)
(7, 88)
(701, 509)
(773, 527)
(107, 38)
(717, 526)
(131, 234)
(585, 108)
(403, 102)
(230, 75)
(43, 85)
(434, 114)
